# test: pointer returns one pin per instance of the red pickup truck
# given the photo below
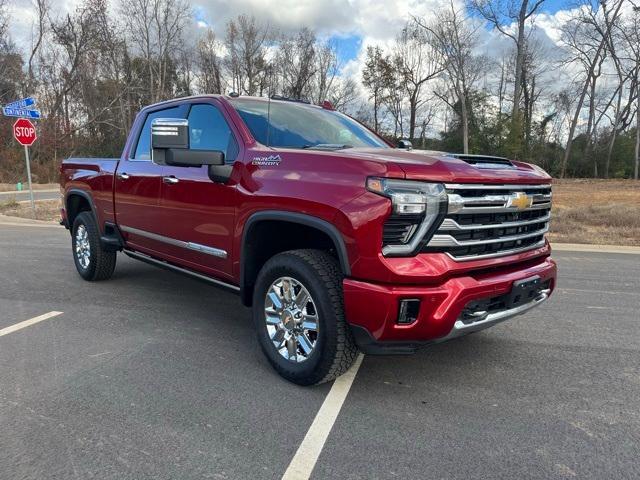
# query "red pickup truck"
(337, 239)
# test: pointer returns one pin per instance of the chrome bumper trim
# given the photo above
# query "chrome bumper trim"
(460, 328)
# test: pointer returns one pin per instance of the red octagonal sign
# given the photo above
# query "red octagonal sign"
(24, 131)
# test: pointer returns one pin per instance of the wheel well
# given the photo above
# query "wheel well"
(75, 204)
(267, 238)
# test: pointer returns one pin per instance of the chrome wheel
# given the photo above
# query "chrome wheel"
(292, 319)
(83, 247)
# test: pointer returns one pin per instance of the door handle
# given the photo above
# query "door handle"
(170, 180)
(123, 176)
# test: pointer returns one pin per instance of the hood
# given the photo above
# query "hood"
(440, 167)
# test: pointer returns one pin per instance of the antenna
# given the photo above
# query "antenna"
(269, 93)
(268, 119)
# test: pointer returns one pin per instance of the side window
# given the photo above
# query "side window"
(210, 131)
(143, 149)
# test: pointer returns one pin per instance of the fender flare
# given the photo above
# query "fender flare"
(87, 196)
(300, 218)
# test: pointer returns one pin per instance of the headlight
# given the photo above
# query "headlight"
(418, 208)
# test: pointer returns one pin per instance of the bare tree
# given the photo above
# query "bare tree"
(4, 23)
(632, 38)
(209, 64)
(326, 72)
(246, 60)
(39, 32)
(344, 95)
(502, 13)
(454, 37)
(417, 63)
(377, 77)
(631, 35)
(295, 63)
(394, 101)
(584, 35)
(11, 76)
(156, 30)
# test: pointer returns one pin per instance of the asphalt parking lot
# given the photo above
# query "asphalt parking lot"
(154, 375)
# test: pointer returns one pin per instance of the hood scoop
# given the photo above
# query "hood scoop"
(483, 161)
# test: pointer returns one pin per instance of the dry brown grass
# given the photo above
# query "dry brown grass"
(604, 212)
(45, 210)
(11, 187)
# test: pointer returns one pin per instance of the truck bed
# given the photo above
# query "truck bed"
(94, 176)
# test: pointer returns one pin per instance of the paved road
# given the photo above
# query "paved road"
(153, 375)
(23, 196)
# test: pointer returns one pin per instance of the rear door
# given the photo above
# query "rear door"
(197, 212)
(138, 188)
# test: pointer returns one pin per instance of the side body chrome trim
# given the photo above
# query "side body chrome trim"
(162, 264)
(216, 252)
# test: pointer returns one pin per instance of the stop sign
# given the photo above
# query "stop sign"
(24, 131)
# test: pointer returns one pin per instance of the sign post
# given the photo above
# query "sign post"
(25, 133)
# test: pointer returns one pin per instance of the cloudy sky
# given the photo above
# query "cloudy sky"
(350, 24)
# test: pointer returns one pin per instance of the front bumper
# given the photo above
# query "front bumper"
(372, 309)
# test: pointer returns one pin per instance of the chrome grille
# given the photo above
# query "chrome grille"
(484, 221)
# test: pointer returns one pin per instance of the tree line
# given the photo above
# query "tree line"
(94, 68)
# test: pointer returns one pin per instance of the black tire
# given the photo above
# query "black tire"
(101, 262)
(335, 349)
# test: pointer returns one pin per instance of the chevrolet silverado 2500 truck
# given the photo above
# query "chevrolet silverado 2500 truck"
(336, 239)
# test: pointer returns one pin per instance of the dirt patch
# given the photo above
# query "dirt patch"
(604, 212)
(45, 210)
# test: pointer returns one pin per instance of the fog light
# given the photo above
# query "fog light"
(408, 312)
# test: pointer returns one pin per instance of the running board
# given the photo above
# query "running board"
(168, 266)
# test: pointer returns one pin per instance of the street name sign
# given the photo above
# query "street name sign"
(20, 112)
(24, 103)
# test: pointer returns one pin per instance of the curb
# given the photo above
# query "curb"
(26, 222)
(583, 247)
(22, 192)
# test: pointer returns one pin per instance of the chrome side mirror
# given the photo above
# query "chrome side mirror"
(170, 145)
(168, 133)
(405, 144)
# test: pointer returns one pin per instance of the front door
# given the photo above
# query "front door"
(197, 212)
(138, 189)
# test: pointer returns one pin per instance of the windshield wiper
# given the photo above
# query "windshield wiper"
(327, 146)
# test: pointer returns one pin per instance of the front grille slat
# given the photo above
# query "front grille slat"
(479, 224)
(451, 241)
(451, 224)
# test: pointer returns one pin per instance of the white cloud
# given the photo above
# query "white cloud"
(375, 22)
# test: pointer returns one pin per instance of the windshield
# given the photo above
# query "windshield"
(299, 125)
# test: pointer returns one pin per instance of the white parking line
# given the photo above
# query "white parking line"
(307, 455)
(27, 323)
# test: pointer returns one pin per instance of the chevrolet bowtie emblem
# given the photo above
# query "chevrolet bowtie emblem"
(520, 200)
